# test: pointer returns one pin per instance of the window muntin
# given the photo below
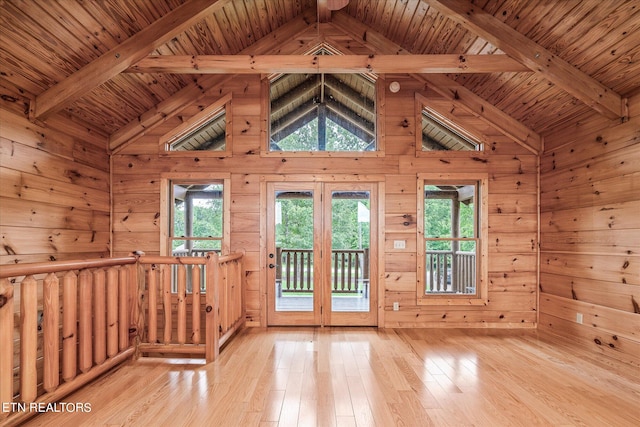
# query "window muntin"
(197, 218)
(452, 240)
(328, 112)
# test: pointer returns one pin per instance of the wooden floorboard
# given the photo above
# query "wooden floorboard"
(368, 377)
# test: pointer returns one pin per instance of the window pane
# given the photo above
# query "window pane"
(326, 112)
(438, 136)
(450, 267)
(209, 137)
(294, 251)
(450, 233)
(195, 247)
(198, 217)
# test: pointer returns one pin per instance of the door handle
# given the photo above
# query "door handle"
(272, 266)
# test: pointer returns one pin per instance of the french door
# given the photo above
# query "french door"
(321, 252)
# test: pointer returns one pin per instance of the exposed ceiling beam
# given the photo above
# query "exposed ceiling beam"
(535, 57)
(268, 64)
(459, 95)
(121, 57)
(171, 106)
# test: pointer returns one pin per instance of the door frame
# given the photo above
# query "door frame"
(377, 251)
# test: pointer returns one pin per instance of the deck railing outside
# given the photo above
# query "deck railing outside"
(450, 273)
(78, 319)
(294, 272)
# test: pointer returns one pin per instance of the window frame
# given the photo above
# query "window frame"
(193, 123)
(481, 220)
(167, 205)
(449, 120)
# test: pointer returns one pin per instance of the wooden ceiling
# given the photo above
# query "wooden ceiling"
(113, 65)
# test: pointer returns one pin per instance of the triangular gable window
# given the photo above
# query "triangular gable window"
(209, 131)
(322, 112)
(208, 137)
(438, 136)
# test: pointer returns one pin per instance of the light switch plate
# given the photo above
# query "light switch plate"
(399, 244)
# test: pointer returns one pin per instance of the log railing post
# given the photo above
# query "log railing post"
(6, 338)
(212, 335)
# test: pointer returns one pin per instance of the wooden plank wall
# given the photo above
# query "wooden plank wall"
(590, 235)
(54, 197)
(512, 220)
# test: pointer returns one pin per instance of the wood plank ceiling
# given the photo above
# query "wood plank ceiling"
(71, 56)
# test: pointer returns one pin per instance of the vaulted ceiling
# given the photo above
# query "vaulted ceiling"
(117, 66)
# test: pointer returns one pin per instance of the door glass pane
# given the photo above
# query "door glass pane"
(350, 244)
(294, 250)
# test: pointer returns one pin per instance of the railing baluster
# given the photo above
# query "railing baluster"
(69, 326)
(289, 287)
(165, 272)
(123, 308)
(152, 297)
(6, 338)
(99, 318)
(301, 268)
(182, 304)
(112, 311)
(195, 303)
(309, 271)
(85, 326)
(51, 332)
(28, 339)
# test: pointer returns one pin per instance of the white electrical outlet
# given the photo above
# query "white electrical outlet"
(396, 306)
(399, 244)
(579, 318)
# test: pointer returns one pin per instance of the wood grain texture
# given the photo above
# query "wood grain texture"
(363, 376)
(589, 238)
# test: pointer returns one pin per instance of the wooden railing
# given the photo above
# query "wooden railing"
(78, 319)
(294, 271)
(450, 273)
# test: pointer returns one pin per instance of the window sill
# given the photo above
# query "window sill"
(446, 300)
(343, 154)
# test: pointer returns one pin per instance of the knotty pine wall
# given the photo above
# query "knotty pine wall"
(54, 192)
(54, 199)
(590, 235)
(513, 189)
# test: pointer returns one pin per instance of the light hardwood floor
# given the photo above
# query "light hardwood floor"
(367, 377)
